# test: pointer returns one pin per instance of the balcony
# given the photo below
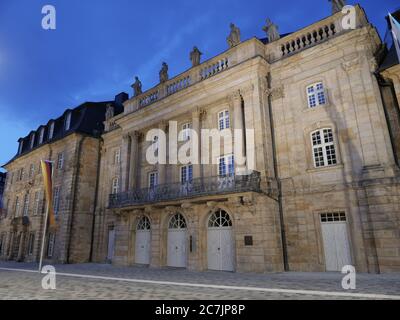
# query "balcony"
(195, 188)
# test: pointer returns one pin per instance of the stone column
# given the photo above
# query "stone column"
(236, 102)
(134, 154)
(196, 128)
(125, 156)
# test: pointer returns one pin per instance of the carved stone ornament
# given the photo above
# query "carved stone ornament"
(276, 93)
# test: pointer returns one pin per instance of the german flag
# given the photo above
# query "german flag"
(47, 171)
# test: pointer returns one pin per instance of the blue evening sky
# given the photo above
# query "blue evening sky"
(100, 45)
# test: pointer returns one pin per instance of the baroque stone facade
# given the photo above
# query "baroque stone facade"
(324, 189)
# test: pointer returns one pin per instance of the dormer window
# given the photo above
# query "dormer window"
(67, 121)
(21, 145)
(41, 136)
(32, 140)
(51, 130)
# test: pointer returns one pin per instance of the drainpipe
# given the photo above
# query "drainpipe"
(278, 181)
(96, 195)
(75, 183)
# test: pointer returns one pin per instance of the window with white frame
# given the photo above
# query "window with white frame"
(50, 244)
(115, 185)
(31, 243)
(186, 131)
(32, 140)
(31, 171)
(16, 213)
(323, 145)
(25, 211)
(56, 200)
(60, 160)
(316, 95)
(36, 203)
(67, 121)
(51, 130)
(186, 174)
(153, 179)
(117, 156)
(223, 120)
(226, 165)
(41, 135)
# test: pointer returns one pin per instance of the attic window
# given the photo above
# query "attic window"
(21, 144)
(32, 140)
(51, 130)
(41, 135)
(68, 121)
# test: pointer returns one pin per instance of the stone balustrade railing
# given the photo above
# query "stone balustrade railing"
(192, 76)
(317, 33)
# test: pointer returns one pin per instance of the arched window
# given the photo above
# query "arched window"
(316, 95)
(115, 185)
(143, 224)
(177, 222)
(219, 219)
(323, 148)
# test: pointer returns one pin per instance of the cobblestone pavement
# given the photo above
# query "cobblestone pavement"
(27, 285)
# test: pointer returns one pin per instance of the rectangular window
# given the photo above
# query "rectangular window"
(115, 186)
(56, 200)
(316, 95)
(153, 179)
(21, 174)
(50, 245)
(226, 166)
(31, 171)
(324, 153)
(117, 156)
(186, 174)
(26, 205)
(60, 161)
(223, 120)
(21, 145)
(31, 243)
(51, 130)
(17, 205)
(333, 217)
(37, 203)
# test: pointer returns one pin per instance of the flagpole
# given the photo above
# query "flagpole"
(45, 225)
(44, 237)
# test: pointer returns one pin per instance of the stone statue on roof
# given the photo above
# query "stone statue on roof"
(234, 37)
(337, 5)
(195, 56)
(137, 87)
(109, 111)
(164, 73)
(272, 31)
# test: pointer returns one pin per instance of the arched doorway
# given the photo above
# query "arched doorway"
(176, 256)
(143, 239)
(220, 242)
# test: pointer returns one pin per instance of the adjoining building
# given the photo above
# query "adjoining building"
(73, 143)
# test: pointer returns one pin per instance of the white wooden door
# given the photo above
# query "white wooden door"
(336, 244)
(176, 248)
(142, 247)
(111, 244)
(220, 249)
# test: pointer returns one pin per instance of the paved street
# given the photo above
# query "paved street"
(144, 283)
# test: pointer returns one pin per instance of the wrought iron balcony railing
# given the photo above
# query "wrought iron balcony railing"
(195, 188)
